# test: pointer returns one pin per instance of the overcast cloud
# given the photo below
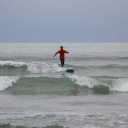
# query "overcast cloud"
(63, 20)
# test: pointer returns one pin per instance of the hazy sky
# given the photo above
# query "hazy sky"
(63, 20)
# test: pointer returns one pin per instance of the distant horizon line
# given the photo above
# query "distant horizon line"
(64, 42)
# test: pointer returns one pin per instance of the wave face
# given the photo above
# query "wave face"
(63, 86)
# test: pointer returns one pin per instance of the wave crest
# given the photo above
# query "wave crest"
(83, 81)
(7, 81)
(32, 67)
(101, 84)
(12, 63)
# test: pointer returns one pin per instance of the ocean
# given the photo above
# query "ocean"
(34, 94)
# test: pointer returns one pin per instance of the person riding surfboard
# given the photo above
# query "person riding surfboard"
(62, 55)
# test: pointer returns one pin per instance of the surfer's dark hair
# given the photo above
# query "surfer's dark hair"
(61, 47)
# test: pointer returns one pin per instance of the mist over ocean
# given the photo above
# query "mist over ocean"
(33, 93)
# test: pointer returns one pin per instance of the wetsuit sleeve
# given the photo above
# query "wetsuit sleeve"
(58, 51)
(66, 51)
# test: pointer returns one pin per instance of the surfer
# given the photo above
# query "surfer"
(62, 55)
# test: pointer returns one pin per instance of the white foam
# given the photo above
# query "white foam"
(60, 69)
(120, 85)
(41, 67)
(12, 63)
(83, 80)
(7, 81)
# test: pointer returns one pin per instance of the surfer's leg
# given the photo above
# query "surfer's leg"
(61, 62)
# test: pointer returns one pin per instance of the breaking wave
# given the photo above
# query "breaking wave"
(12, 63)
(99, 83)
(64, 85)
(42, 67)
(32, 67)
(7, 81)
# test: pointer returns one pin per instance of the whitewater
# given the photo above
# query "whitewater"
(35, 93)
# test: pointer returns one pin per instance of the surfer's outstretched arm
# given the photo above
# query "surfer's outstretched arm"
(55, 54)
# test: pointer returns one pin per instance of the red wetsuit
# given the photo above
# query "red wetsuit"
(62, 53)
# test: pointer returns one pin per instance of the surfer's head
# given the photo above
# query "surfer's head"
(61, 47)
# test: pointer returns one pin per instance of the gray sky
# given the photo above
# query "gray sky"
(63, 20)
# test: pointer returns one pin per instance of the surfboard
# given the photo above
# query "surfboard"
(69, 70)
